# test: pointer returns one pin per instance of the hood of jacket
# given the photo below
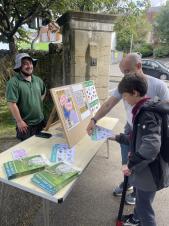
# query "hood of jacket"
(156, 106)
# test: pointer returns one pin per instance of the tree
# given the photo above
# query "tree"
(15, 13)
(92, 5)
(161, 25)
(132, 23)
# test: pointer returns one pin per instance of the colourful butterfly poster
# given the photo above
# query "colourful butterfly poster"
(68, 107)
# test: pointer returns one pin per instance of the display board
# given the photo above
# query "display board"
(75, 105)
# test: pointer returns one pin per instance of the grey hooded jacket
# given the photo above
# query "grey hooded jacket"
(149, 171)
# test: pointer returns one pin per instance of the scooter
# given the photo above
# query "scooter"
(119, 221)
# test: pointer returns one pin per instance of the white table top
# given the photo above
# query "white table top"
(85, 150)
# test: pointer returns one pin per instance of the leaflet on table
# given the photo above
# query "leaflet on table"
(24, 166)
(100, 133)
(19, 153)
(61, 153)
(55, 177)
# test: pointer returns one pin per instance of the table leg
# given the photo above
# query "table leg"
(46, 212)
(1, 193)
(1, 198)
(107, 145)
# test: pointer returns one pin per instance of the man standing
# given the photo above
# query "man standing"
(24, 94)
(157, 89)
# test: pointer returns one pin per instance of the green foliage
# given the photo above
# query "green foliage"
(89, 5)
(7, 124)
(145, 49)
(133, 22)
(161, 51)
(162, 23)
(6, 71)
(23, 37)
(14, 14)
(123, 41)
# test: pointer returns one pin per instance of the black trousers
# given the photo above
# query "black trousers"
(31, 130)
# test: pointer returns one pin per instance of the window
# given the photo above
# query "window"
(153, 64)
(145, 62)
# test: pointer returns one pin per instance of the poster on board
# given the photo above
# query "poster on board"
(92, 97)
(75, 108)
(68, 107)
(81, 101)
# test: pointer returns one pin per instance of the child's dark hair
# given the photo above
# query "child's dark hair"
(131, 83)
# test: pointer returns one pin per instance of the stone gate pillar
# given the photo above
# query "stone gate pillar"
(87, 48)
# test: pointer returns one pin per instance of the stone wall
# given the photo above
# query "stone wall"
(87, 49)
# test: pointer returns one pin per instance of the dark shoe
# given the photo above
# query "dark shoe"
(131, 198)
(129, 220)
(118, 190)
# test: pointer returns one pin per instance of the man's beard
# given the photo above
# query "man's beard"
(26, 74)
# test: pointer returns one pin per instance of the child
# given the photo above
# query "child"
(148, 171)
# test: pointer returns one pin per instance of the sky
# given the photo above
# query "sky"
(157, 2)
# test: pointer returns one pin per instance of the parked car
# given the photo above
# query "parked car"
(155, 69)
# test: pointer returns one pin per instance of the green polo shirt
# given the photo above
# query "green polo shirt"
(28, 97)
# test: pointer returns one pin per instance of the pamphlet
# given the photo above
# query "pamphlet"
(62, 153)
(100, 133)
(55, 177)
(19, 154)
(24, 166)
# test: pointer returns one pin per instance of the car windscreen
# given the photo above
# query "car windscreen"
(162, 65)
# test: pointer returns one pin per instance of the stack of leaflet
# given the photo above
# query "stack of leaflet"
(24, 166)
(55, 177)
(62, 153)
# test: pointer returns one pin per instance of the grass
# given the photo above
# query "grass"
(37, 46)
(7, 124)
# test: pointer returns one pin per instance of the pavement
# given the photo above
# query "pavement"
(90, 203)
